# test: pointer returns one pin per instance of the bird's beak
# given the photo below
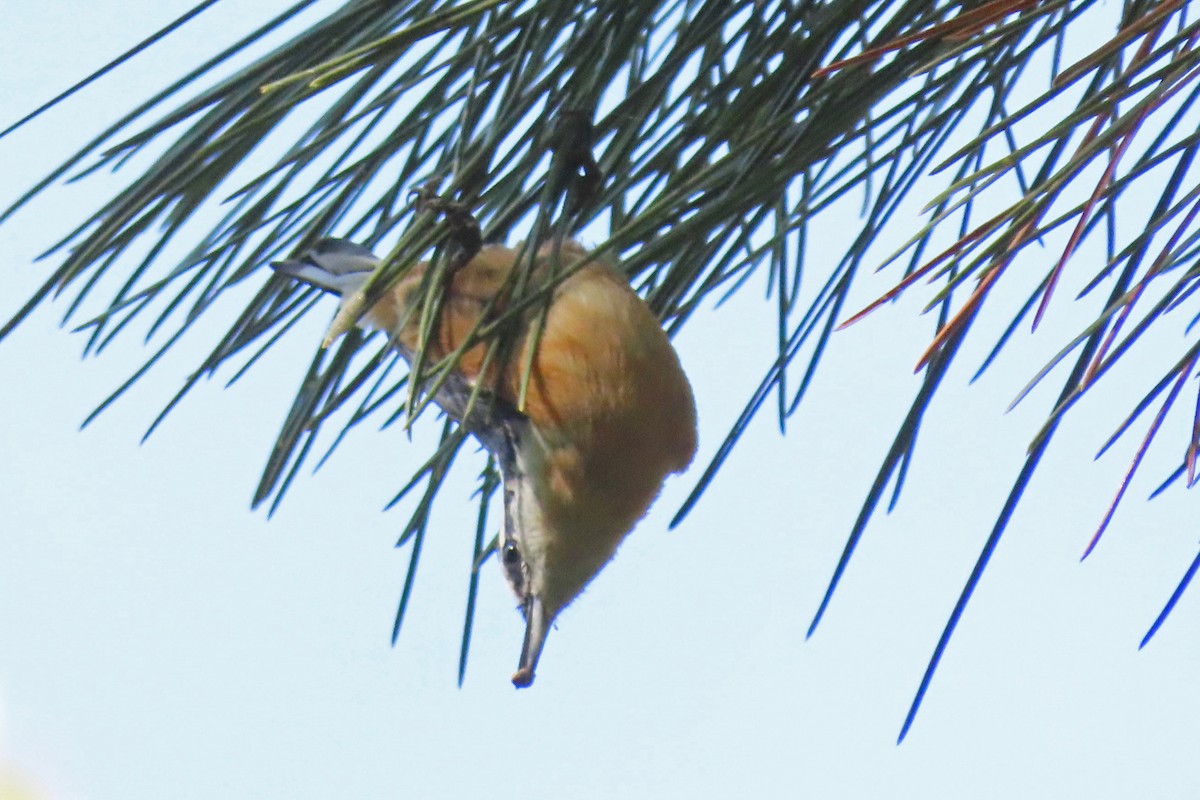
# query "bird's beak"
(537, 625)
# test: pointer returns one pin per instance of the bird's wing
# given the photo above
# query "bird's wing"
(334, 265)
(344, 247)
(494, 421)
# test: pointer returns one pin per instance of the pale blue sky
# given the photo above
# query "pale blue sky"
(161, 641)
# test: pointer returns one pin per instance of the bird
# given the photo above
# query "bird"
(606, 416)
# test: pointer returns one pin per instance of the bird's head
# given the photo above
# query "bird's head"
(569, 502)
(523, 573)
(546, 555)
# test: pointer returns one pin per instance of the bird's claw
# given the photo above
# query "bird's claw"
(464, 233)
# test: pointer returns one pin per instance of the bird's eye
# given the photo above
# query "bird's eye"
(510, 553)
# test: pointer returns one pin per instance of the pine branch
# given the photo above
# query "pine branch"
(723, 132)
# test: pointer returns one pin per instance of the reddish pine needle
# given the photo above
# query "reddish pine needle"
(1194, 444)
(960, 316)
(961, 27)
(1084, 216)
(1141, 452)
(1155, 268)
(1118, 42)
(952, 251)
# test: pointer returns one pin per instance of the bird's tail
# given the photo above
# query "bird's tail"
(334, 265)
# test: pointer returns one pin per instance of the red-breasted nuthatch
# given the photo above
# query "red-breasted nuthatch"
(608, 412)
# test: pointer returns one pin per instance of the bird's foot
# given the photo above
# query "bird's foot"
(464, 237)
